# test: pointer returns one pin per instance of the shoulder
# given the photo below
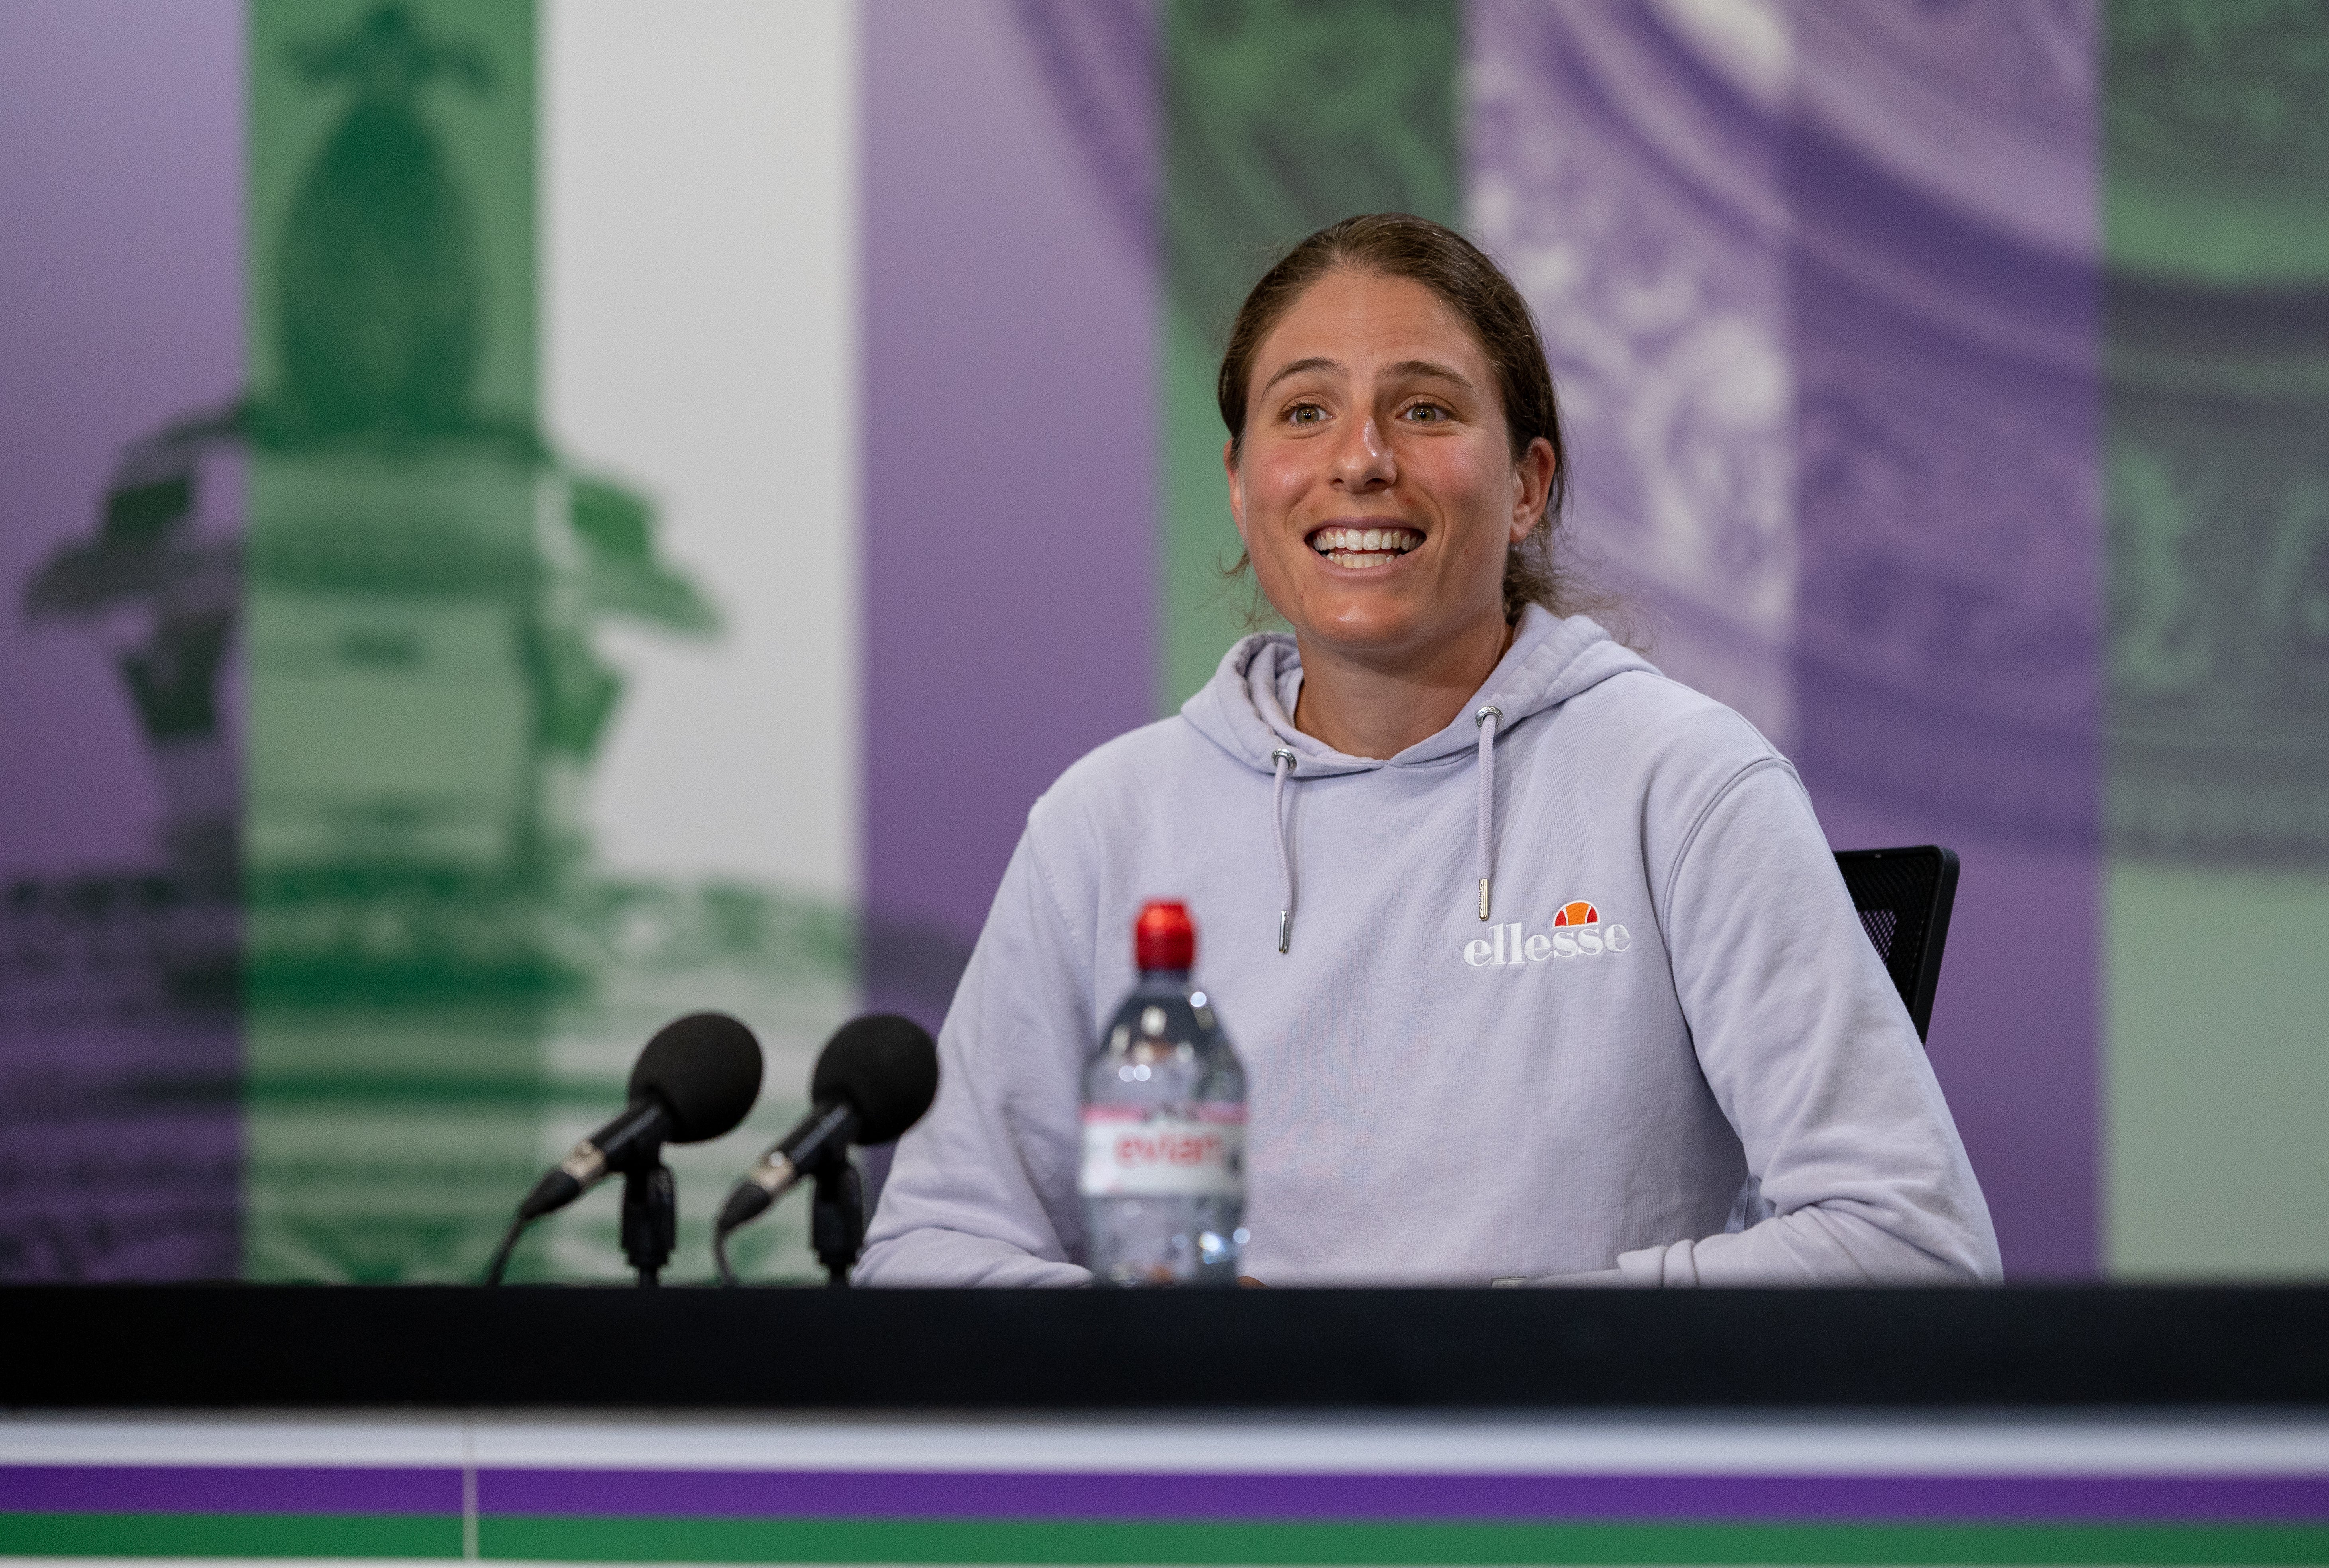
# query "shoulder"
(1665, 725)
(1663, 759)
(1101, 775)
(1141, 801)
(1114, 784)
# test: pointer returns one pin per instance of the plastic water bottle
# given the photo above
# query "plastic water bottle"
(1164, 1157)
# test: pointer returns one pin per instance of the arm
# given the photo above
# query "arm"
(983, 1191)
(1810, 1056)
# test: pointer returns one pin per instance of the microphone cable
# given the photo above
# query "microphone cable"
(500, 1266)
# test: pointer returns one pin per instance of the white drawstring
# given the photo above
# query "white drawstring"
(1486, 719)
(1284, 757)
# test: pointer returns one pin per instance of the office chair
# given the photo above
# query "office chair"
(1904, 898)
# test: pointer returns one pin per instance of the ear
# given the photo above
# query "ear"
(1534, 475)
(1237, 488)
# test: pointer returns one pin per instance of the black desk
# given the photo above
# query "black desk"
(2085, 1425)
(322, 1345)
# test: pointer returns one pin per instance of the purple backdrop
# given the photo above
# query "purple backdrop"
(1010, 456)
(121, 307)
(1948, 514)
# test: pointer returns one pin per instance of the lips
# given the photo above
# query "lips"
(1362, 548)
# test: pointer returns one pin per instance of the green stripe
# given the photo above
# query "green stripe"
(1032, 1541)
(393, 827)
(230, 1535)
(1281, 118)
(646, 1540)
(2215, 199)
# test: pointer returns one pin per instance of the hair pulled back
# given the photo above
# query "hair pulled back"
(1397, 245)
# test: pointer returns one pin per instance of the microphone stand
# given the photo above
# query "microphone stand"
(650, 1215)
(836, 1218)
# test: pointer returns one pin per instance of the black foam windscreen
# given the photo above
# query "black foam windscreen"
(885, 1067)
(705, 1068)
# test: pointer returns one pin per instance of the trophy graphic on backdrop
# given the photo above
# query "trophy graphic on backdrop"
(407, 582)
(373, 967)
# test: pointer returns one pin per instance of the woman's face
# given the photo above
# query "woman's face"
(1377, 491)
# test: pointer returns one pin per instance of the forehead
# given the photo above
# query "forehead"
(1364, 319)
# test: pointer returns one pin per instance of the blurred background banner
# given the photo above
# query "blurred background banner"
(524, 519)
(433, 656)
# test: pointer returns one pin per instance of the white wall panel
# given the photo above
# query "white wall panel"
(700, 346)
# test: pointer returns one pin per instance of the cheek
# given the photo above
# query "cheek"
(1273, 482)
(1475, 497)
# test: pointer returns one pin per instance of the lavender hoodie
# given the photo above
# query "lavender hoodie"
(1669, 995)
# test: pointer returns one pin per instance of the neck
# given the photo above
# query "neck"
(1377, 706)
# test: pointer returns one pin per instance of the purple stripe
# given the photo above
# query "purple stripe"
(1009, 463)
(122, 307)
(732, 1494)
(225, 1490)
(1950, 535)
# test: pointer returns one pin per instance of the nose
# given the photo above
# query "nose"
(1364, 461)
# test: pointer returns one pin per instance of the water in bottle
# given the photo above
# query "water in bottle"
(1164, 1159)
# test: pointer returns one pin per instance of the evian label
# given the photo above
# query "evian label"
(1176, 1150)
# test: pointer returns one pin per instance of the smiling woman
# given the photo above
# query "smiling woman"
(1703, 1075)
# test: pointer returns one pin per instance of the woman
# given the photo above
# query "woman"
(1538, 963)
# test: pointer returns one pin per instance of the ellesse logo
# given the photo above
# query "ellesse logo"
(1577, 933)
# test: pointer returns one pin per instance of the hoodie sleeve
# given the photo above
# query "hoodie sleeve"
(1805, 1043)
(983, 1191)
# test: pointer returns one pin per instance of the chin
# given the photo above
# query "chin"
(1362, 628)
(1350, 617)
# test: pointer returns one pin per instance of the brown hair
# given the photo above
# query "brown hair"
(1396, 245)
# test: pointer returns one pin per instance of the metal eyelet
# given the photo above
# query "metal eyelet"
(1485, 713)
(1285, 754)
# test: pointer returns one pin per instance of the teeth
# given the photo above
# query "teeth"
(1364, 547)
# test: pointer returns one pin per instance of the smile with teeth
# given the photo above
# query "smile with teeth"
(1364, 547)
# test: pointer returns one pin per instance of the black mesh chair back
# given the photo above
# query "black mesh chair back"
(1904, 898)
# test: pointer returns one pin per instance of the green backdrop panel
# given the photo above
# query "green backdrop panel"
(2216, 211)
(1281, 117)
(403, 656)
(2217, 995)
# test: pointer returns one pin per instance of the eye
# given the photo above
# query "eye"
(1305, 414)
(1426, 414)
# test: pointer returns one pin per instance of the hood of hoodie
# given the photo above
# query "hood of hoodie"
(1247, 709)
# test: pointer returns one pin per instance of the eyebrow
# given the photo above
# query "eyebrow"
(1429, 368)
(1297, 368)
(1403, 368)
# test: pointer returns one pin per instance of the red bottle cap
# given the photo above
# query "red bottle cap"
(1163, 937)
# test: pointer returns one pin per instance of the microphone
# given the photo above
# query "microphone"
(695, 1080)
(873, 1080)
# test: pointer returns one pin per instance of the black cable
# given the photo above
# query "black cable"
(500, 1266)
(720, 1256)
